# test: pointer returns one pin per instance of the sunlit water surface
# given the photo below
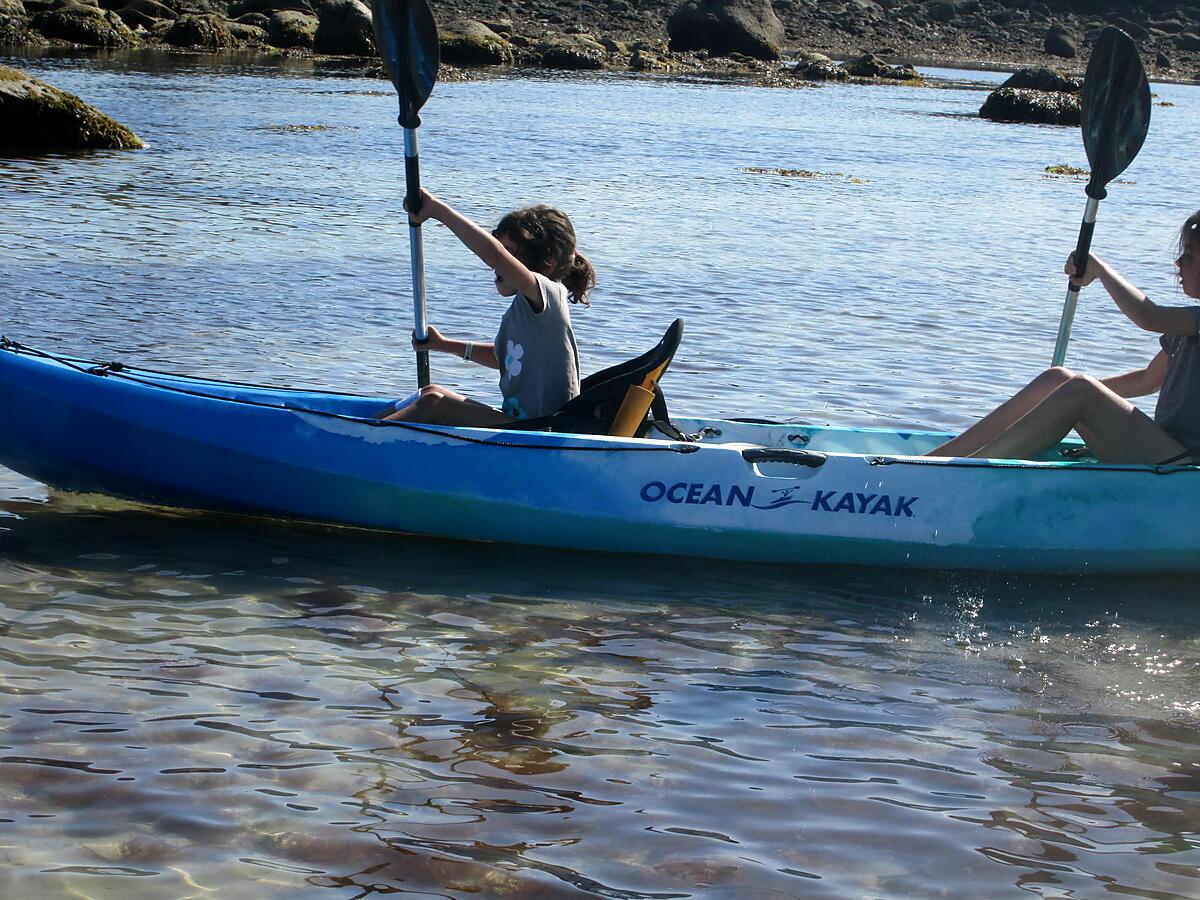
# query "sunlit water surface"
(211, 707)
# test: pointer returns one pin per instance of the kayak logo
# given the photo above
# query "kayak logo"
(700, 493)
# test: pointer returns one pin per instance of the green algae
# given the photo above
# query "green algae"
(1067, 171)
(801, 173)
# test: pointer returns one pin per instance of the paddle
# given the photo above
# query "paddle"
(407, 38)
(1116, 117)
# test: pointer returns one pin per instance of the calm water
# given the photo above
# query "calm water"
(202, 706)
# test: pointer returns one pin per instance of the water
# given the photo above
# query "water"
(204, 706)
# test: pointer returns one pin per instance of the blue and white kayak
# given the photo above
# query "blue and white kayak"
(779, 493)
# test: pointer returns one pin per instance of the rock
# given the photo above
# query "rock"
(612, 45)
(465, 42)
(1042, 79)
(81, 24)
(145, 13)
(1162, 60)
(1188, 40)
(243, 33)
(1060, 42)
(268, 8)
(258, 20)
(12, 8)
(820, 71)
(290, 28)
(865, 9)
(871, 66)
(727, 26)
(647, 61)
(36, 116)
(940, 11)
(1024, 105)
(344, 29)
(572, 51)
(204, 31)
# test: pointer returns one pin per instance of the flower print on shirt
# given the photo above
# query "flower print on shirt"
(512, 359)
(512, 407)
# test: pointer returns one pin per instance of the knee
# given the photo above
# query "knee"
(1083, 389)
(1055, 376)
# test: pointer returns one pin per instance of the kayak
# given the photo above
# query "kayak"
(780, 493)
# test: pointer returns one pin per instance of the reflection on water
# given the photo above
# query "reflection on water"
(208, 706)
(266, 709)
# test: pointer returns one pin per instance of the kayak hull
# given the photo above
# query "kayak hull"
(836, 496)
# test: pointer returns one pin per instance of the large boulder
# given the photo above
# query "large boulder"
(572, 51)
(1042, 79)
(1038, 107)
(345, 29)
(721, 27)
(37, 116)
(82, 24)
(202, 31)
(465, 42)
(290, 28)
(12, 8)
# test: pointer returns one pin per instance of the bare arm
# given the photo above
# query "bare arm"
(480, 242)
(1137, 307)
(1140, 382)
(482, 352)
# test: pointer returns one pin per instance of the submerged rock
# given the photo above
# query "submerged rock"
(722, 27)
(37, 116)
(1037, 107)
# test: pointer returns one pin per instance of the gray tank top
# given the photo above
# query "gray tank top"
(539, 362)
(1178, 409)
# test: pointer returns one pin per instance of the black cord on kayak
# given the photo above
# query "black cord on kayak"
(962, 463)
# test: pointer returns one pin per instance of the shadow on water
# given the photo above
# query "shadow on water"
(115, 537)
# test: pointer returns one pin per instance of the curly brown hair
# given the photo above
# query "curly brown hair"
(545, 242)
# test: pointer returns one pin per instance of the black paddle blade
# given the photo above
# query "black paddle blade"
(1116, 108)
(407, 38)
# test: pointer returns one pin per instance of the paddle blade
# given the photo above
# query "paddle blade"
(407, 38)
(1116, 108)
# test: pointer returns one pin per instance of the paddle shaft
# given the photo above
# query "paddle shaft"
(1082, 247)
(412, 201)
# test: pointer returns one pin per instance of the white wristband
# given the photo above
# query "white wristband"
(467, 350)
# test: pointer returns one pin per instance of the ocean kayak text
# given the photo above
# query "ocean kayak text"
(700, 493)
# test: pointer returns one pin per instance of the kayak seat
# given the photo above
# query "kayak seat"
(615, 400)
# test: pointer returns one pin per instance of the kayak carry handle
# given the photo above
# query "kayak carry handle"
(797, 457)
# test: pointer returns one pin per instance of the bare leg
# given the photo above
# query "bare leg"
(1003, 416)
(441, 406)
(1115, 430)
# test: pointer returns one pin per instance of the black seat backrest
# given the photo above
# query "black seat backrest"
(602, 394)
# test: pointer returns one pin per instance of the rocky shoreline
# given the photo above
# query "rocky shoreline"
(640, 36)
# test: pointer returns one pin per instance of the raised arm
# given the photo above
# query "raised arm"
(480, 242)
(1137, 307)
